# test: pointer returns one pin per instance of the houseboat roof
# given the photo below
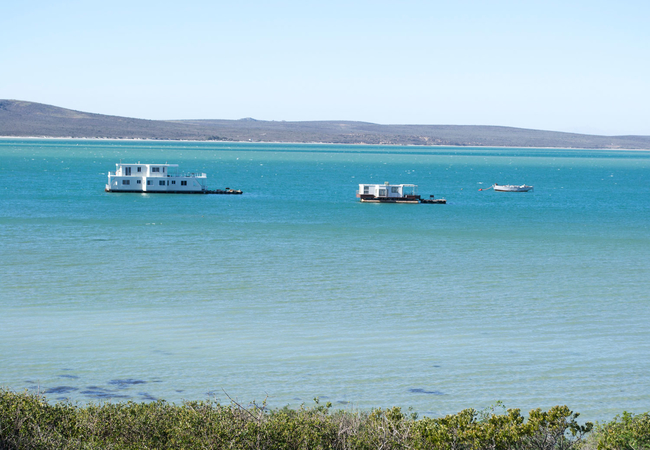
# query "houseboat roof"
(140, 164)
(387, 184)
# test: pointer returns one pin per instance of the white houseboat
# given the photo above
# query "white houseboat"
(388, 193)
(155, 178)
(394, 193)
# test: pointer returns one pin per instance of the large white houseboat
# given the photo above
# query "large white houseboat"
(392, 193)
(155, 178)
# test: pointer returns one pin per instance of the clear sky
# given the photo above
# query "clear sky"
(580, 66)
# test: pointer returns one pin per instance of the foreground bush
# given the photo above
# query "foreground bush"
(626, 432)
(27, 421)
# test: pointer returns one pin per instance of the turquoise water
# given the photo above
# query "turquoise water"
(295, 290)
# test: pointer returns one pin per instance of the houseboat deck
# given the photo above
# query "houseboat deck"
(207, 191)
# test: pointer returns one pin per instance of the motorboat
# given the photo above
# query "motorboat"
(509, 188)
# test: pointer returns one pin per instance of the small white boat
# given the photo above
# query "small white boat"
(509, 188)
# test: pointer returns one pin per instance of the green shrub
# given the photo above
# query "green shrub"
(29, 422)
(625, 432)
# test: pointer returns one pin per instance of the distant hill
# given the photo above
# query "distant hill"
(21, 118)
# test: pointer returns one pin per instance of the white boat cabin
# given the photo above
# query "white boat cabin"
(388, 192)
(155, 178)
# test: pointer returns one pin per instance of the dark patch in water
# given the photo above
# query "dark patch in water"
(162, 352)
(74, 377)
(147, 396)
(343, 402)
(422, 391)
(98, 389)
(179, 390)
(123, 384)
(436, 366)
(102, 393)
(60, 390)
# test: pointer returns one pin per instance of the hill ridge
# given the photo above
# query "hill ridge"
(25, 118)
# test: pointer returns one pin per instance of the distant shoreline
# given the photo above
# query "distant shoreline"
(69, 138)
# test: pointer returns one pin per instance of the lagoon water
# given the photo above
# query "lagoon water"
(295, 290)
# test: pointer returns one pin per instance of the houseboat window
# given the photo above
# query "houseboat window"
(127, 171)
(148, 182)
(155, 169)
(366, 189)
(126, 181)
(394, 190)
(173, 181)
(183, 183)
(139, 181)
(161, 182)
(139, 169)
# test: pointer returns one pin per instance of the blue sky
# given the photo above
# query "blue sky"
(579, 66)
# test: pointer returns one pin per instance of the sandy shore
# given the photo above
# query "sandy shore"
(69, 138)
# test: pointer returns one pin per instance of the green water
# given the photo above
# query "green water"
(295, 290)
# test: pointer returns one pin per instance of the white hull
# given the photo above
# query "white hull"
(512, 188)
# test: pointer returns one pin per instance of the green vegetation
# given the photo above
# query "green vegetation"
(626, 432)
(28, 421)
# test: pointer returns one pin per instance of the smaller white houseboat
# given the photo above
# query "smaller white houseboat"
(388, 193)
(392, 193)
(155, 178)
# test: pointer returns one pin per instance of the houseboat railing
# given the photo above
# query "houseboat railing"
(404, 193)
(169, 175)
(192, 175)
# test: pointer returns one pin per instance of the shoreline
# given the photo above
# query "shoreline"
(70, 138)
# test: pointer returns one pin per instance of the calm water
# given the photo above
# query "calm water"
(295, 290)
